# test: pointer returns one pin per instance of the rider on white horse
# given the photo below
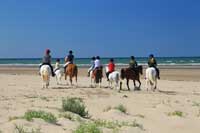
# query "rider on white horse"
(92, 66)
(111, 68)
(47, 61)
(57, 65)
(152, 63)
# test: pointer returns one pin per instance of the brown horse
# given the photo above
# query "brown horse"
(97, 75)
(129, 73)
(71, 71)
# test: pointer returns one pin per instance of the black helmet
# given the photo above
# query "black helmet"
(93, 58)
(151, 56)
(70, 52)
(98, 57)
(111, 60)
(132, 57)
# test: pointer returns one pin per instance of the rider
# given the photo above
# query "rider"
(111, 68)
(92, 66)
(47, 60)
(152, 63)
(57, 65)
(69, 59)
(97, 63)
(133, 64)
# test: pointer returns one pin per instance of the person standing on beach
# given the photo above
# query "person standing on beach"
(69, 59)
(111, 68)
(92, 66)
(47, 60)
(153, 63)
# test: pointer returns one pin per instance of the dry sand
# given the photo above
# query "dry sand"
(178, 90)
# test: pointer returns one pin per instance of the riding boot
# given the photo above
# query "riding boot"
(52, 72)
(158, 73)
(107, 76)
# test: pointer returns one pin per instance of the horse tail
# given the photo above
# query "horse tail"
(122, 75)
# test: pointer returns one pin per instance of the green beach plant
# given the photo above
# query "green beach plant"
(75, 105)
(176, 113)
(88, 128)
(121, 108)
(48, 117)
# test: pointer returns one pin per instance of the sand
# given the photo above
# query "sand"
(178, 90)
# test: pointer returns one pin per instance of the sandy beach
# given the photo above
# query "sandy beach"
(173, 108)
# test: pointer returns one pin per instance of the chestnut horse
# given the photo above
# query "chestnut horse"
(129, 73)
(96, 76)
(71, 71)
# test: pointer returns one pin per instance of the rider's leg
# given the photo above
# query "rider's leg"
(52, 72)
(107, 74)
(158, 72)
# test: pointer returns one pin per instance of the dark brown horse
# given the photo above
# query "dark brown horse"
(97, 75)
(129, 73)
(71, 71)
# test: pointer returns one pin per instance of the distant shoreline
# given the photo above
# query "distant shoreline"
(118, 66)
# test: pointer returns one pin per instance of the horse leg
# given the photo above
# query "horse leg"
(120, 87)
(155, 84)
(76, 80)
(139, 84)
(147, 82)
(127, 83)
(71, 80)
(134, 84)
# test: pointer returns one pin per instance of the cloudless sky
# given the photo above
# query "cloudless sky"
(117, 28)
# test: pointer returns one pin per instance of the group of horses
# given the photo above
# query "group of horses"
(97, 75)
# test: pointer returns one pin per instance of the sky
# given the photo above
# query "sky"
(108, 28)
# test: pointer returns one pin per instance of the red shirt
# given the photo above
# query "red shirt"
(111, 67)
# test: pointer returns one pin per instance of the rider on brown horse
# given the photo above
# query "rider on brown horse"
(133, 64)
(69, 59)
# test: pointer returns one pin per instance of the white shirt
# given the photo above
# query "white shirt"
(97, 63)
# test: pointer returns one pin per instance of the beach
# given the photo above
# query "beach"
(174, 107)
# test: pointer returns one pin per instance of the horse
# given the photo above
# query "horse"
(96, 76)
(151, 78)
(45, 73)
(128, 73)
(113, 77)
(59, 73)
(71, 71)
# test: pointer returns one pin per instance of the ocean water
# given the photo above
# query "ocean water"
(119, 61)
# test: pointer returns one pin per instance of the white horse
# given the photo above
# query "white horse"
(59, 74)
(45, 73)
(151, 78)
(113, 77)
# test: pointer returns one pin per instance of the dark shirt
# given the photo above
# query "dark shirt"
(133, 64)
(152, 62)
(46, 59)
(70, 58)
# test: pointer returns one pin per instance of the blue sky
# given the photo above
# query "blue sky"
(117, 28)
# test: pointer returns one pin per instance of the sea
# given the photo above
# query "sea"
(119, 61)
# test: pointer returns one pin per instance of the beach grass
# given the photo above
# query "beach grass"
(75, 105)
(48, 117)
(121, 108)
